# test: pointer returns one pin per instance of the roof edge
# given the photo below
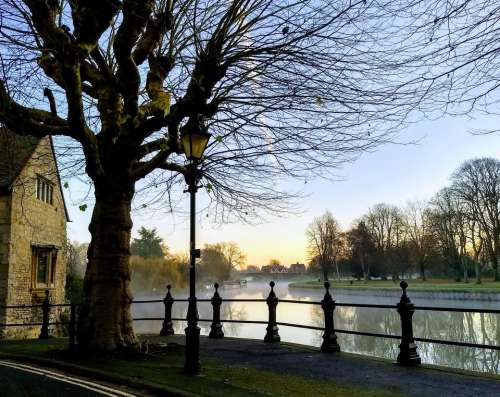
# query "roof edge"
(59, 178)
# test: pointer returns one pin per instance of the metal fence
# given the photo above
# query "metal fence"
(405, 308)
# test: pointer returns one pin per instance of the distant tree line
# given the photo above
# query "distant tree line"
(153, 265)
(219, 260)
(454, 234)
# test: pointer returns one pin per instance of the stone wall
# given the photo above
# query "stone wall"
(4, 252)
(34, 223)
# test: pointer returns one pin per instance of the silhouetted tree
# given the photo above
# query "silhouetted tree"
(233, 254)
(214, 266)
(416, 217)
(446, 220)
(362, 247)
(459, 39)
(148, 245)
(477, 184)
(386, 225)
(324, 242)
(287, 88)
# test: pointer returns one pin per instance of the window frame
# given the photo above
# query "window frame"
(44, 190)
(50, 252)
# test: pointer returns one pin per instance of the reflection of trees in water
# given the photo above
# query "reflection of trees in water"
(360, 319)
(468, 327)
(463, 327)
(230, 311)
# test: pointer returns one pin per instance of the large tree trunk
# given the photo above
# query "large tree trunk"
(422, 270)
(496, 258)
(466, 270)
(325, 273)
(366, 272)
(105, 321)
(337, 269)
(477, 269)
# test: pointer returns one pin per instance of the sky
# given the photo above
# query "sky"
(414, 168)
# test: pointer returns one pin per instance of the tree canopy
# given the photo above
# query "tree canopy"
(148, 245)
(287, 88)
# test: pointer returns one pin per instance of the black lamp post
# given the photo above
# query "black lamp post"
(194, 138)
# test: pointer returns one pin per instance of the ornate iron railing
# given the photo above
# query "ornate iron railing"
(407, 347)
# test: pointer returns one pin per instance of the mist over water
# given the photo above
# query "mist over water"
(466, 327)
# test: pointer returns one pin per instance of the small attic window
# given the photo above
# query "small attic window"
(44, 190)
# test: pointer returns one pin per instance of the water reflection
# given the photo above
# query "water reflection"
(467, 327)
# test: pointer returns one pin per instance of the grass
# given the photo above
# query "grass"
(164, 369)
(445, 285)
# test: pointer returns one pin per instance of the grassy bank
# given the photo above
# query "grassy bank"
(445, 285)
(162, 368)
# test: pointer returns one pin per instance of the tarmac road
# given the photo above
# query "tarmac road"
(22, 380)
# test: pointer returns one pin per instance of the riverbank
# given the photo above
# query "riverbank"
(436, 285)
(242, 367)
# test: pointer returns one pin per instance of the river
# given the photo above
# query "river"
(467, 327)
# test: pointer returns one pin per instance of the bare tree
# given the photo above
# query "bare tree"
(214, 265)
(288, 89)
(477, 242)
(234, 255)
(419, 228)
(386, 224)
(362, 247)
(324, 243)
(459, 54)
(446, 223)
(477, 183)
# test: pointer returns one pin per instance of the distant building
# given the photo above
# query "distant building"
(274, 268)
(33, 220)
(252, 269)
(298, 268)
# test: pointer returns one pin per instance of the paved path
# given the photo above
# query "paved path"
(22, 380)
(346, 369)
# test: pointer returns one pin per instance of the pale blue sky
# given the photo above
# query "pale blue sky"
(393, 174)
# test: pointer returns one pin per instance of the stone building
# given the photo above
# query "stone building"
(298, 268)
(33, 220)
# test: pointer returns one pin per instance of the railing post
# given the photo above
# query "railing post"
(408, 355)
(216, 327)
(44, 332)
(329, 338)
(72, 325)
(272, 328)
(167, 326)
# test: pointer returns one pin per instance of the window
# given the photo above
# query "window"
(44, 190)
(44, 266)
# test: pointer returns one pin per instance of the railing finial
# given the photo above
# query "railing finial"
(329, 337)
(408, 355)
(272, 334)
(216, 327)
(404, 297)
(403, 284)
(167, 327)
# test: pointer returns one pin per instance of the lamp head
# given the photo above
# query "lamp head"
(194, 139)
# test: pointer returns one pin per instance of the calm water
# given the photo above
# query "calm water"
(468, 327)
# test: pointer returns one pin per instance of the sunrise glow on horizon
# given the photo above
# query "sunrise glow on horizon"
(393, 174)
